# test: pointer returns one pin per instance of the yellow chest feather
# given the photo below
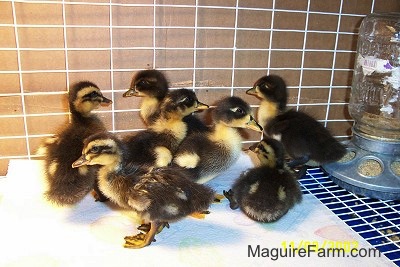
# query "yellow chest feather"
(266, 111)
(228, 137)
(148, 107)
(106, 187)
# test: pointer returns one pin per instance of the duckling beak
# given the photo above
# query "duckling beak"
(105, 101)
(80, 162)
(131, 92)
(252, 91)
(253, 125)
(201, 106)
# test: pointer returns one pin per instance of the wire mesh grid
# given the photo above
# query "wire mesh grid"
(374, 220)
(214, 47)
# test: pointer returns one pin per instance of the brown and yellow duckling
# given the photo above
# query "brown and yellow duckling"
(156, 145)
(207, 154)
(267, 192)
(303, 137)
(67, 185)
(152, 86)
(160, 196)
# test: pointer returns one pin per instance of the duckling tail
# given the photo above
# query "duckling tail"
(65, 198)
(333, 152)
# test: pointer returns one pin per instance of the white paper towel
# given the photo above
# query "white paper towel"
(33, 232)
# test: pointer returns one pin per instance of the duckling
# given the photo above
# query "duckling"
(208, 154)
(271, 88)
(156, 145)
(267, 192)
(159, 196)
(152, 85)
(303, 137)
(67, 185)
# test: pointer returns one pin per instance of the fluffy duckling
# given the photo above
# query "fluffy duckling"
(67, 185)
(303, 137)
(155, 146)
(267, 192)
(152, 85)
(208, 154)
(159, 196)
(271, 88)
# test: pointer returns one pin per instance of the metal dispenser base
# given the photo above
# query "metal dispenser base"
(371, 168)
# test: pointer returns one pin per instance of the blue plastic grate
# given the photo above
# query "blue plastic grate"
(377, 221)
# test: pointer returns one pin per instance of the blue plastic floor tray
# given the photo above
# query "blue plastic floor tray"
(375, 220)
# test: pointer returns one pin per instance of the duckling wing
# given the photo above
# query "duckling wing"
(295, 134)
(284, 122)
(172, 195)
(67, 185)
(302, 135)
(190, 150)
(204, 157)
(151, 148)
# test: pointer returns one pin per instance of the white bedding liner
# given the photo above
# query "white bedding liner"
(35, 233)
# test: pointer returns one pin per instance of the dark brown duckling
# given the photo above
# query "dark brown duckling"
(267, 192)
(303, 137)
(67, 185)
(208, 154)
(160, 196)
(152, 86)
(156, 145)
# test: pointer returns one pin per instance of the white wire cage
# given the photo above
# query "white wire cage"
(217, 48)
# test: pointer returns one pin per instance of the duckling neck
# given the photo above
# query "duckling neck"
(267, 162)
(148, 108)
(226, 135)
(87, 119)
(79, 115)
(80, 111)
(112, 168)
(267, 111)
(107, 175)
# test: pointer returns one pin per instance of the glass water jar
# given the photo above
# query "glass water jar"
(375, 94)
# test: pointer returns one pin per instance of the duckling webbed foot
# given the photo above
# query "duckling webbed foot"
(200, 214)
(218, 198)
(145, 227)
(300, 171)
(298, 161)
(138, 241)
(97, 194)
(299, 166)
(99, 197)
(232, 201)
(144, 239)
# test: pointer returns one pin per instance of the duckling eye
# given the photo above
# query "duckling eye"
(143, 82)
(95, 150)
(239, 110)
(183, 99)
(262, 149)
(92, 95)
